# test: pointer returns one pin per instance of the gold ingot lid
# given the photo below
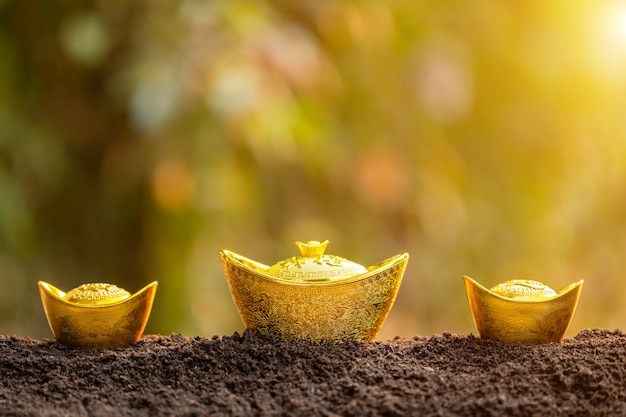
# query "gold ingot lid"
(523, 289)
(95, 294)
(314, 266)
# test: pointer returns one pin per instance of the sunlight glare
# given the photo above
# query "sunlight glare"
(608, 44)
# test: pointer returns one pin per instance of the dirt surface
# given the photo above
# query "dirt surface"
(256, 375)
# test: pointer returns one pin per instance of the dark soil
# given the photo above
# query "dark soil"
(256, 375)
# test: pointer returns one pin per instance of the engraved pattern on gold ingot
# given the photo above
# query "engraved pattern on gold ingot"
(97, 315)
(522, 311)
(315, 297)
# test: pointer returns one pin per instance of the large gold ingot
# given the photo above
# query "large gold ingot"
(314, 297)
(521, 311)
(98, 315)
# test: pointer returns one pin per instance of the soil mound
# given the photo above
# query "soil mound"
(251, 374)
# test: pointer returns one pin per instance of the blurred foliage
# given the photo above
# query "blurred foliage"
(137, 139)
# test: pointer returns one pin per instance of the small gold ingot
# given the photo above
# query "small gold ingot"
(97, 315)
(314, 297)
(522, 311)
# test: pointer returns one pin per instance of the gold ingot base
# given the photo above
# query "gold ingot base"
(330, 310)
(524, 312)
(97, 316)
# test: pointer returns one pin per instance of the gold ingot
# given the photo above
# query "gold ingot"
(97, 315)
(522, 311)
(314, 297)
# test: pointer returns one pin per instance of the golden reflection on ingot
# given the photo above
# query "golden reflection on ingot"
(314, 297)
(97, 315)
(522, 311)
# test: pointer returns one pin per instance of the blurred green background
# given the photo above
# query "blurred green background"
(139, 138)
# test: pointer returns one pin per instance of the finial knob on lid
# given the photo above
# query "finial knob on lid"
(312, 248)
